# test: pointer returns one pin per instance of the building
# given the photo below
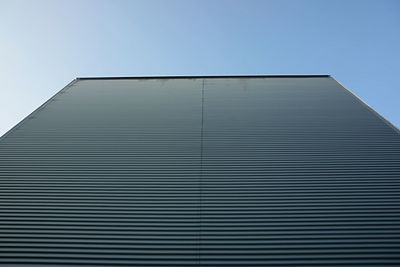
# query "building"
(201, 171)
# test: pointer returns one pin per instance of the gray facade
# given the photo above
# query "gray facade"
(201, 171)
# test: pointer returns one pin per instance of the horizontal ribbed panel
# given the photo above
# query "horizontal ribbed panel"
(201, 172)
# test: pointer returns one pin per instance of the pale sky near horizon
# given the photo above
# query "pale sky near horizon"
(46, 44)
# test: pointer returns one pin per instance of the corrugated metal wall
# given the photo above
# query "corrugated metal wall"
(201, 171)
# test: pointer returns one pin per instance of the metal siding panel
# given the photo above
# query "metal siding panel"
(296, 172)
(210, 171)
(105, 174)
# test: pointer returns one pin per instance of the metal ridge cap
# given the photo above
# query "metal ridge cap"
(208, 76)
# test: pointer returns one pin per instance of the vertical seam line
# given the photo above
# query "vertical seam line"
(201, 175)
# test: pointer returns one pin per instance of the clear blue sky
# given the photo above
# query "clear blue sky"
(46, 44)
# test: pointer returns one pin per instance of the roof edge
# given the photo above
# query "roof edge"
(367, 106)
(16, 126)
(206, 76)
